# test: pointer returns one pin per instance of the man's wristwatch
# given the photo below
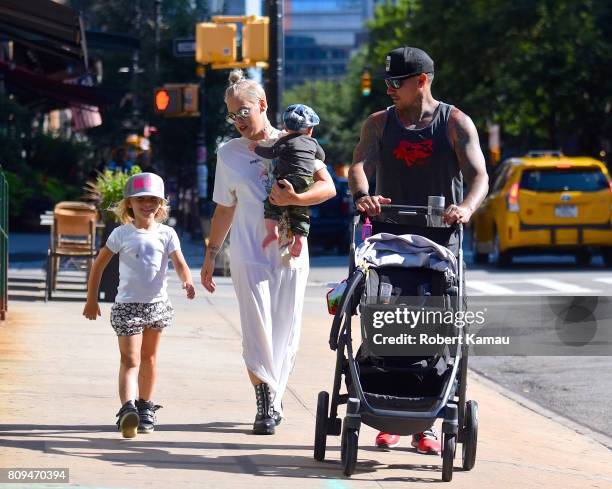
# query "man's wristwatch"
(358, 196)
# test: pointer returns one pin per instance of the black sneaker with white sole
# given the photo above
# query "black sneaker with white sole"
(127, 420)
(146, 413)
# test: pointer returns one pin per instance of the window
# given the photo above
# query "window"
(564, 180)
(499, 177)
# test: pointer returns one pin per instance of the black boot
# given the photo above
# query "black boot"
(146, 413)
(264, 422)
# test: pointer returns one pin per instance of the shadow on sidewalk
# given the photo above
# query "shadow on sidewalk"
(67, 440)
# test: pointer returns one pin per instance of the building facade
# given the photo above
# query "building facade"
(321, 36)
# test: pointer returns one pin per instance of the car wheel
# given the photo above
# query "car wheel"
(478, 257)
(501, 258)
(583, 258)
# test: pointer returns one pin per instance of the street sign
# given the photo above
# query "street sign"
(184, 47)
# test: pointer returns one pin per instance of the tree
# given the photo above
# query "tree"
(341, 109)
(175, 143)
(538, 67)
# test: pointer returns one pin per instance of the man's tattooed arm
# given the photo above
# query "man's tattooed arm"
(366, 156)
(464, 139)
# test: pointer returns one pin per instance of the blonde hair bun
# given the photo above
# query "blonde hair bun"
(236, 76)
(240, 85)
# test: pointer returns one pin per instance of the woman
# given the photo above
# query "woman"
(269, 283)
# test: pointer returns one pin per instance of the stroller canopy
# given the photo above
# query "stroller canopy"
(406, 250)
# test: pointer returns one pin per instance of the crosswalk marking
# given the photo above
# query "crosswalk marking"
(559, 286)
(605, 280)
(488, 288)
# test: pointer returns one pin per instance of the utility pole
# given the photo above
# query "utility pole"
(135, 70)
(275, 78)
(204, 209)
(157, 21)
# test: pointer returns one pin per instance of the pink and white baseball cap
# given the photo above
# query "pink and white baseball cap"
(143, 184)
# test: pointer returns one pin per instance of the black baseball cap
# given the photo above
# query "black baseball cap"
(407, 61)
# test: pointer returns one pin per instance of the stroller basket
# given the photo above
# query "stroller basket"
(402, 389)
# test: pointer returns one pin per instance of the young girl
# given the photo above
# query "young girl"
(141, 309)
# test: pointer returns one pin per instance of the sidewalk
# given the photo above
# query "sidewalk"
(58, 403)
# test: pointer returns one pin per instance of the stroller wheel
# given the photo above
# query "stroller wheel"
(348, 450)
(448, 456)
(470, 435)
(321, 426)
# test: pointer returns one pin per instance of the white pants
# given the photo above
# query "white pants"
(271, 302)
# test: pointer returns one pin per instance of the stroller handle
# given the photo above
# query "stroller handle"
(414, 210)
(433, 215)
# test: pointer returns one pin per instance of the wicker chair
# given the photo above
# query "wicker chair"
(73, 236)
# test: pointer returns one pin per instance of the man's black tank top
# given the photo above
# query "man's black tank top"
(417, 163)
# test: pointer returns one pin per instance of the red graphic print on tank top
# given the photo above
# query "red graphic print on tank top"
(414, 153)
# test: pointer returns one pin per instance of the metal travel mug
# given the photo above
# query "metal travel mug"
(435, 209)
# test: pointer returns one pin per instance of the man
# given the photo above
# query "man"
(417, 147)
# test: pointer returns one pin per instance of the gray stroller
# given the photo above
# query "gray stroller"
(387, 390)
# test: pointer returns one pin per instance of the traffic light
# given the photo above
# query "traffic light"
(177, 100)
(215, 43)
(255, 39)
(366, 83)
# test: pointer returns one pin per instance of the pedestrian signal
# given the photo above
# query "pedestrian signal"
(168, 100)
(177, 100)
(215, 43)
(255, 39)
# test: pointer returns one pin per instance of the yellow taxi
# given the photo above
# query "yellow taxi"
(545, 202)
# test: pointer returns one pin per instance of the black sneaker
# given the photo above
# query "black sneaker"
(127, 420)
(146, 414)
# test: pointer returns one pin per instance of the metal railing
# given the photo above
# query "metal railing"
(4, 205)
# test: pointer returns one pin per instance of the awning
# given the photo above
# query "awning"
(46, 26)
(42, 91)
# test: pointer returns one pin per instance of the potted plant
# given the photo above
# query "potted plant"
(106, 191)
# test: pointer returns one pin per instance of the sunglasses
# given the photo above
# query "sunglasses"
(396, 83)
(232, 117)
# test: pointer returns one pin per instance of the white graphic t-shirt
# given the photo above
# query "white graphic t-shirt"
(143, 261)
(243, 179)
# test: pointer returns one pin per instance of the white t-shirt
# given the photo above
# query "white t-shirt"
(243, 179)
(143, 261)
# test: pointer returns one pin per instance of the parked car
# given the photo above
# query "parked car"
(545, 202)
(330, 221)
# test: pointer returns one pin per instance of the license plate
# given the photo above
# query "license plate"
(566, 211)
